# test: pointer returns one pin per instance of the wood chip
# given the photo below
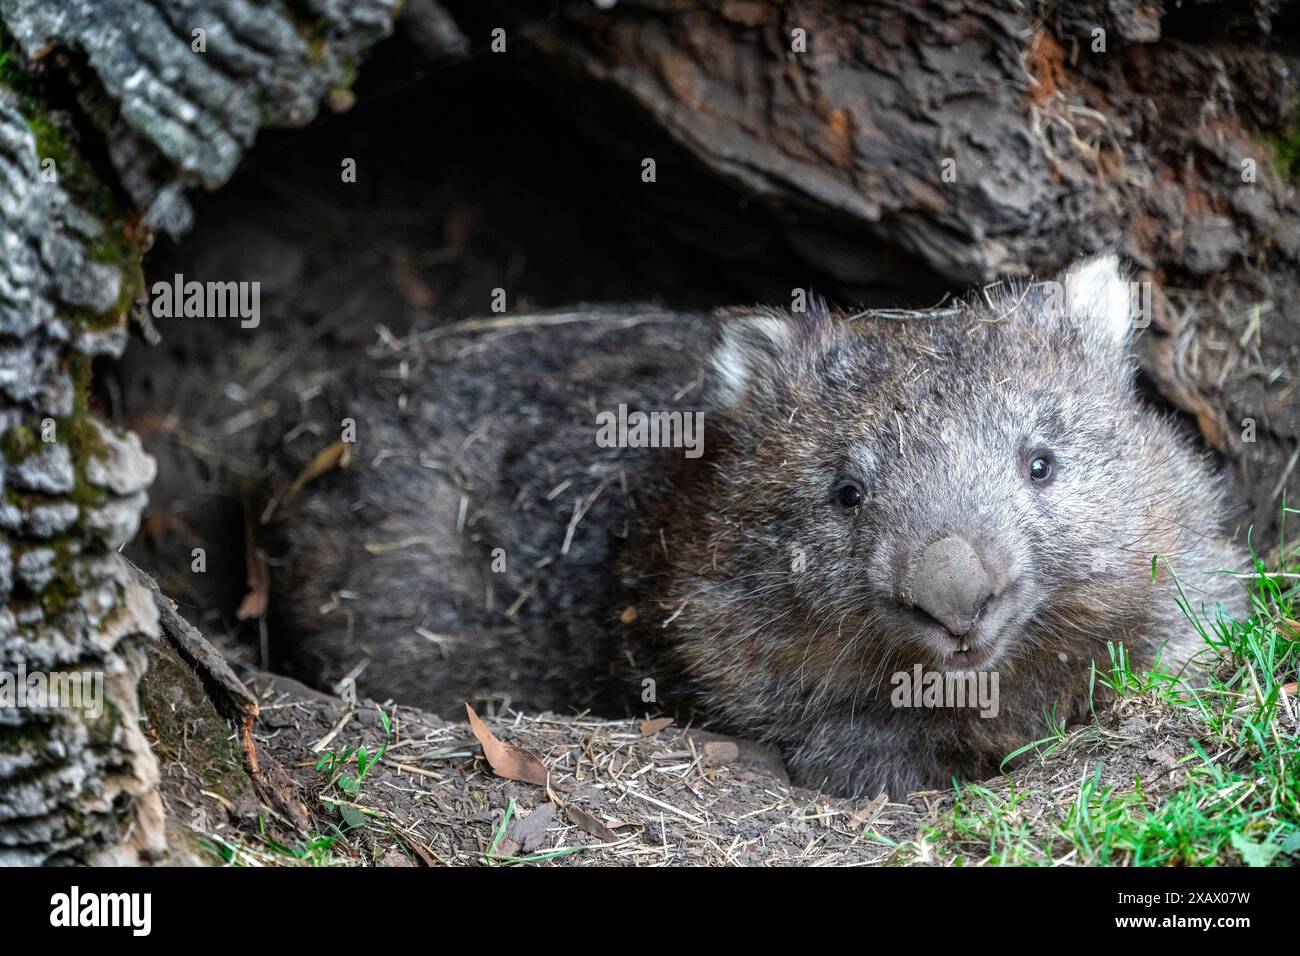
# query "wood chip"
(588, 824)
(719, 753)
(651, 727)
(527, 834)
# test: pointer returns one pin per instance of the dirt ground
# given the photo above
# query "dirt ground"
(612, 792)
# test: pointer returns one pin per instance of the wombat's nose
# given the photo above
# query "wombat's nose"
(951, 584)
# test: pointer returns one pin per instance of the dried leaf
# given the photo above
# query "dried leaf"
(337, 454)
(651, 727)
(507, 760)
(425, 857)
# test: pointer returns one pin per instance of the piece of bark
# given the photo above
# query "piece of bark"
(651, 727)
(227, 691)
(527, 832)
(233, 701)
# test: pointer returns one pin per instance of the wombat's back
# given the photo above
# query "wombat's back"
(467, 551)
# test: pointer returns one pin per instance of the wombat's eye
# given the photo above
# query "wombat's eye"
(848, 495)
(1040, 467)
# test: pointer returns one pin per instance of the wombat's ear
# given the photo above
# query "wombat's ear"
(750, 345)
(1097, 300)
(757, 345)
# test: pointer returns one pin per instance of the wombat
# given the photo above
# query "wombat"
(876, 506)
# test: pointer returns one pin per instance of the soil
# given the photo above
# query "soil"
(673, 797)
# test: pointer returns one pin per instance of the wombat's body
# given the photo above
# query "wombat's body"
(487, 442)
(979, 490)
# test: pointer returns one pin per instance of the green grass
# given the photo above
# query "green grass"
(1239, 802)
(335, 768)
(314, 849)
(317, 849)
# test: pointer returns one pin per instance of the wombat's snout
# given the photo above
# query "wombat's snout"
(951, 584)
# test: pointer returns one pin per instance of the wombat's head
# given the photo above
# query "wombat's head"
(951, 490)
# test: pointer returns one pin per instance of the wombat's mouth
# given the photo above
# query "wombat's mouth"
(972, 655)
(983, 645)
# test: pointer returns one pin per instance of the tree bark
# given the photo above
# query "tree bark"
(981, 138)
(111, 110)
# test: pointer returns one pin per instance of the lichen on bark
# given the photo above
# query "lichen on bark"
(109, 111)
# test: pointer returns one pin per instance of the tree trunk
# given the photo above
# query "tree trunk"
(112, 109)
